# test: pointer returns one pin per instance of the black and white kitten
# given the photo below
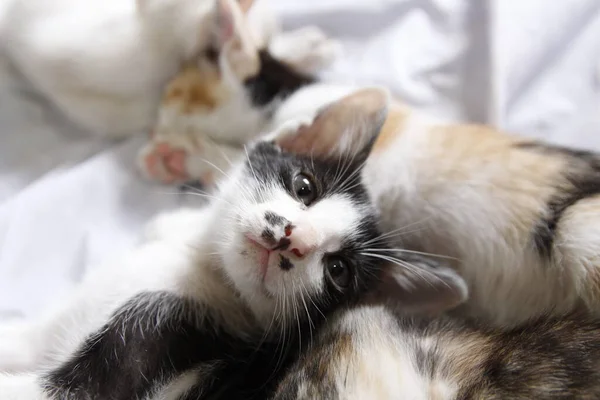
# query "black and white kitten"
(282, 244)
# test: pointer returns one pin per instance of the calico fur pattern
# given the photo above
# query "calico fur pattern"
(537, 213)
(381, 353)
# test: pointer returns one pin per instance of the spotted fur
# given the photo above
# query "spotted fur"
(372, 352)
(519, 219)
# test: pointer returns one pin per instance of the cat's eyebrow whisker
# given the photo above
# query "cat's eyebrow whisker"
(250, 163)
(409, 267)
(346, 163)
(215, 167)
(398, 250)
(353, 175)
(198, 193)
(399, 231)
(223, 154)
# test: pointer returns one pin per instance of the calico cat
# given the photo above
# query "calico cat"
(517, 218)
(376, 352)
(223, 291)
(104, 64)
(226, 98)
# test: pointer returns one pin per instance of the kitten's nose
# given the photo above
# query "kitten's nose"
(299, 241)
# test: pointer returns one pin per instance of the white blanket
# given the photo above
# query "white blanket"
(68, 201)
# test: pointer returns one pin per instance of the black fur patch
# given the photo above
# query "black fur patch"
(583, 174)
(548, 358)
(275, 81)
(274, 219)
(285, 263)
(149, 342)
(283, 244)
(269, 236)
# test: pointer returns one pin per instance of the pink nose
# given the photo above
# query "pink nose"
(302, 240)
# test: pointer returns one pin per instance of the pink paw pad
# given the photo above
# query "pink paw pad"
(166, 164)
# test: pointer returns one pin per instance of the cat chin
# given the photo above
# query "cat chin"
(243, 265)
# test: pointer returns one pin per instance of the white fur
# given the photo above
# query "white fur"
(308, 49)
(200, 254)
(104, 63)
(382, 364)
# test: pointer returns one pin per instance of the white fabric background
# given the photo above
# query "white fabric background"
(68, 201)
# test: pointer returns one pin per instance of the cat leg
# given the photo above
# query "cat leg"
(149, 345)
(182, 158)
(307, 49)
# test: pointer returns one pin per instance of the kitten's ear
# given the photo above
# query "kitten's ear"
(421, 284)
(234, 39)
(245, 5)
(347, 127)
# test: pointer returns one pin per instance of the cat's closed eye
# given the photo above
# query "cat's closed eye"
(304, 189)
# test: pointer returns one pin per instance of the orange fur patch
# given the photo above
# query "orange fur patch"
(195, 89)
(392, 126)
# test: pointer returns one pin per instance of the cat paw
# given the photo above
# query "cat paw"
(164, 162)
(307, 49)
(185, 159)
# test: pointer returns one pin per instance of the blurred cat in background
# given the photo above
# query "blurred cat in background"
(104, 64)
(229, 95)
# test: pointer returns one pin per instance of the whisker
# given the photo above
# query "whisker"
(384, 250)
(420, 272)
(215, 167)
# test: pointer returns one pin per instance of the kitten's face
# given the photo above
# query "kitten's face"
(292, 237)
(298, 234)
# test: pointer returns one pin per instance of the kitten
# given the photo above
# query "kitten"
(281, 245)
(518, 219)
(104, 64)
(219, 102)
(373, 352)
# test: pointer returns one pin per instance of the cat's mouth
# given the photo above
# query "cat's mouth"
(262, 255)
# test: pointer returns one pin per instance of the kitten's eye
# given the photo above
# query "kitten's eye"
(338, 271)
(304, 189)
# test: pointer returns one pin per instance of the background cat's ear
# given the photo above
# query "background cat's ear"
(234, 39)
(245, 5)
(346, 127)
(421, 284)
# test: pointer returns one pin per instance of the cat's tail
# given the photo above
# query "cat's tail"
(21, 387)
